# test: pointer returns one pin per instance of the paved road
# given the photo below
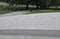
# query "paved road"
(14, 13)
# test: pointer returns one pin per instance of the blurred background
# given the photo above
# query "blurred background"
(21, 5)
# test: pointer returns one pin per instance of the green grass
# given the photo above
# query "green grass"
(42, 11)
(4, 12)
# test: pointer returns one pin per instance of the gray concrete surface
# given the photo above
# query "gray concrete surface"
(26, 37)
(45, 21)
(43, 24)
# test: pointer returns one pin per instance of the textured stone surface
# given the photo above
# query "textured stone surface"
(45, 21)
(26, 37)
(46, 24)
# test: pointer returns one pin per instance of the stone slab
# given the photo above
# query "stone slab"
(26, 37)
(46, 24)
